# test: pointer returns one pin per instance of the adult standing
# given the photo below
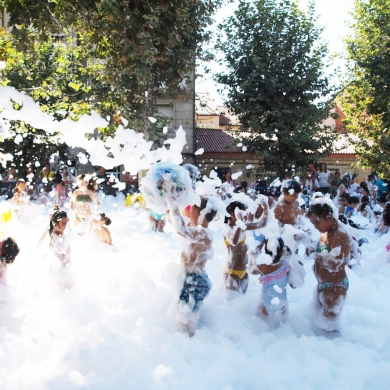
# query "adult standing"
(323, 178)
(228, 178)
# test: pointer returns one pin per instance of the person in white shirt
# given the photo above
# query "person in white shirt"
(323, 178)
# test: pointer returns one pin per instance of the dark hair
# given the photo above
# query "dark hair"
(15, 190)
(105, 219)
(279, 252)
(9, 250)
(91, 182)
(386, 214)
(372, 178)
(353, 199)
(56, 217)
(231, 207)
(203, 203)
(273, 191)
(326, 168)
(320, 210)
(345, 196)
(238, 189)
(364, 202)
(291, 184)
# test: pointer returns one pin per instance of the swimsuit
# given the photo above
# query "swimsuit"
(344, 284)
(274, 295)
(155, 215)
(240, 273)
(83, 198)
(195, 289)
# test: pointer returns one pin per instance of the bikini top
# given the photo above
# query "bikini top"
(83, 198)
(227, 243)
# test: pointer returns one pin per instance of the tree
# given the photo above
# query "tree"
(366, 95)
(148, 47)
(275, 81)
(53, 75)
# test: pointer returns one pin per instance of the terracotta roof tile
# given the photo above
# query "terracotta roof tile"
(215, 141)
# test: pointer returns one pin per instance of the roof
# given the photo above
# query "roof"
(215, 141)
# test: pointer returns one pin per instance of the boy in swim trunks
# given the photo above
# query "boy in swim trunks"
(197, 249)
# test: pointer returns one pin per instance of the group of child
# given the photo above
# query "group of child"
(275, 259)
(276, 263)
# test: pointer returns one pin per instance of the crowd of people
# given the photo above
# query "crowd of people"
(271, 240)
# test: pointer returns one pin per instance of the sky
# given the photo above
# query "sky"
(334, 16)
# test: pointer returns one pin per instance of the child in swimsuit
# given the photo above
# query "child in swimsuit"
(330, 258)
(59, 236)
(234, 234)
(287, 210)
(274, 277)
(8, 251)
(100, 228)
(20, 199)
(197, 250)
(82, 200)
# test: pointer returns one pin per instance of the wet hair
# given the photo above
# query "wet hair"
(273, 191)
(386, 214)
(279, 251)
(91, 182)
(231, 207)
(238, 189)
(105, 219)
(203, 204)
(56, 217)
(291, 184)
(353, 199)
(320, 210)
(9, 250)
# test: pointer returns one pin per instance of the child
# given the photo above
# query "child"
(8, 251)
(100, 228)
(287, 210)
(330, 258)
(60, 193)
(20, 199)
(59, 236)
(353, 202)
(198, 249)
(274, 276)
(343, 202)
(383, 221)
(365, 208)
(234, 234)
(81, 201)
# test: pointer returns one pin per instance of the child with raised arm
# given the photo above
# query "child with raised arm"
(330, 258)
(234, 234)
(8, 251)
(197, 250)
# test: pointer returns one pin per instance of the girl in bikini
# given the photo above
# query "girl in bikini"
(82, 200)
(330, 258)
(234, 234)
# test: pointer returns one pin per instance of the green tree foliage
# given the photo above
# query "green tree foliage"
(366, 95)
(51, 73)
(275, 81)
(148, 47)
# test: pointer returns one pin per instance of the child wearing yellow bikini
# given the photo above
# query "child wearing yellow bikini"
(234, 234)
(83, 198)
(100, 224)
